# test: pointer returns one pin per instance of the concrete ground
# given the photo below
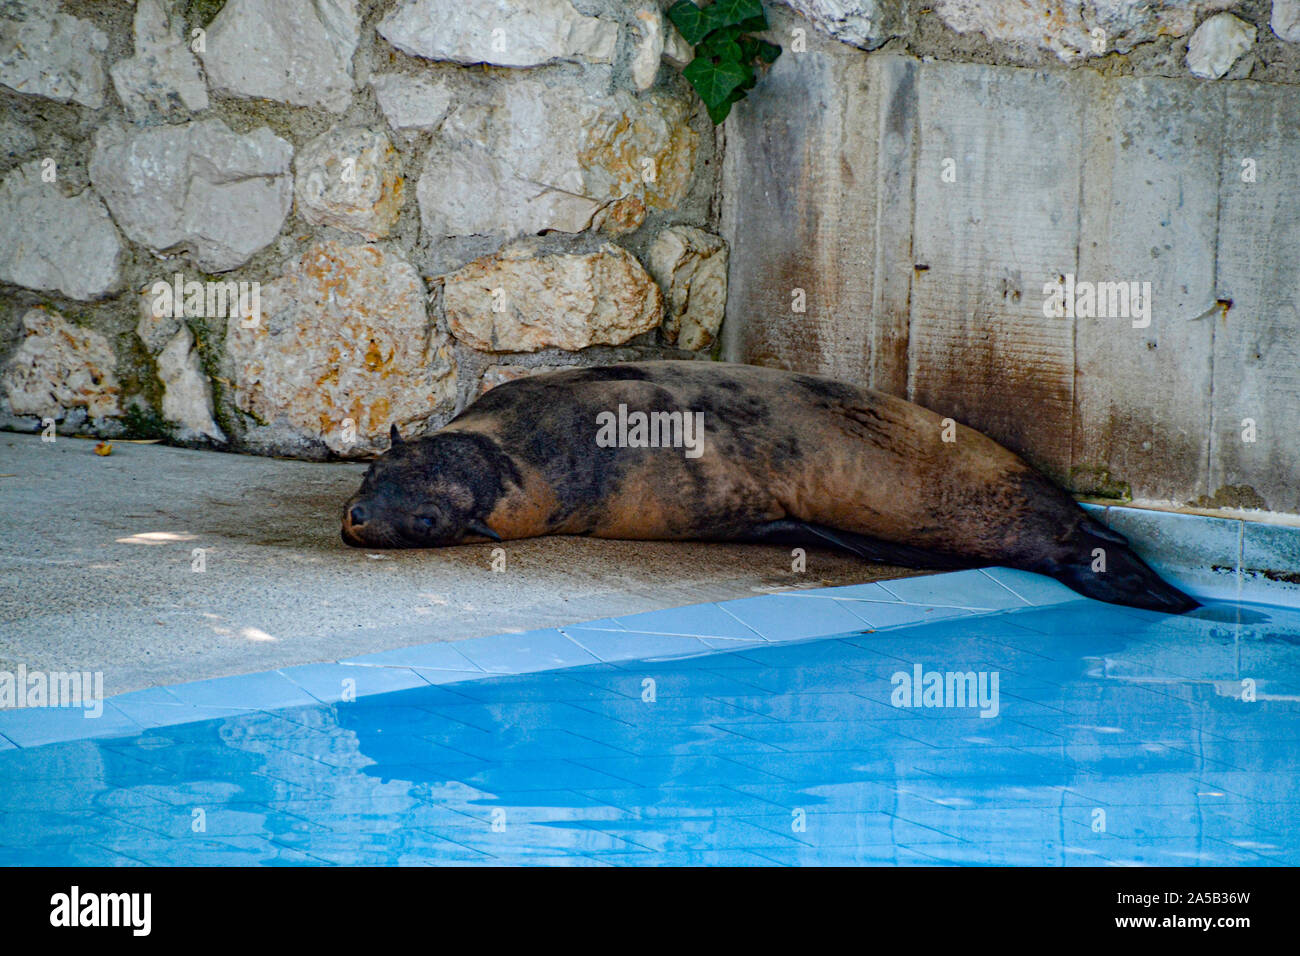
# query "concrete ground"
(97, 569)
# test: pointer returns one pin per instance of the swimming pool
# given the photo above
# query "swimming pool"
(735, 733)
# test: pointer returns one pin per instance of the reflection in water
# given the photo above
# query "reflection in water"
(1121, 737)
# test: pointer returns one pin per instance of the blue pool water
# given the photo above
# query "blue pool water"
(1120, 737)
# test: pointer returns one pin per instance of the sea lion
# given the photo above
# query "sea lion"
(781, 457)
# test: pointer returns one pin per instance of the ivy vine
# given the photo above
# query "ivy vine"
(723, 70)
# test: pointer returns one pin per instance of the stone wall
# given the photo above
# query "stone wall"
(280, 226)
(421, 199)
(910, 218)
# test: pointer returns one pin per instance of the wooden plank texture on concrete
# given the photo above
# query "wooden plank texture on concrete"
(1150, 215)
(1257, 339)
(923, 207)
(981, 349)
(895, 80)
(800, 214)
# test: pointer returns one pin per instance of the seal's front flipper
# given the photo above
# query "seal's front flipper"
(806, 534)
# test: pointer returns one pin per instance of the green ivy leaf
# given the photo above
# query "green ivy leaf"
(722, 70)
(723, 43)
(716, 81)
(737, 11)
(693, 22)
(721, 34)
(728, 53)
(720, 113)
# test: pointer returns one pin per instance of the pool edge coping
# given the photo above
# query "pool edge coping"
(1205, 555)
(984, 591)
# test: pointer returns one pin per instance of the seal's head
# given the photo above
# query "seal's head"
(428, 493)
(1100, 564)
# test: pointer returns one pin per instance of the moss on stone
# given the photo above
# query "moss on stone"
(143, 422)
(200, 13)
(206, 344)
(1232, 496)
(1096, 481)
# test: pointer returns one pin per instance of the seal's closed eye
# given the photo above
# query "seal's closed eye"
(478, 527)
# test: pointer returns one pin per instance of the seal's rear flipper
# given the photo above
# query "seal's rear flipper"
(806, 534)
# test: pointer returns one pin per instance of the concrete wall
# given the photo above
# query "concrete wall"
(931, 286)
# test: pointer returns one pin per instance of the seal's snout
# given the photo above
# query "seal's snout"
(1107, 569)
(1140, 589)
(354, 519)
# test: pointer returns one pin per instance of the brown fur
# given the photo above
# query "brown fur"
(778, 447)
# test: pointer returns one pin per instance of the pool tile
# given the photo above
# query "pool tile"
(802, 855)
(834, 829)
(664, 715)
(527, 744)
(716, 833)
(251, 691)
(794, 708)
(343, 753)
(871, 591)
(332, 683)
(405, 847)
(520, 653)
(157, 707)
(678, 771)
(1196, 553)
(781, 617)
(657, 683)
(697, 740)
(73, 854)
(673, 802)
(697, 620)
(375, 814)
(697, 857)
(34, 726)
(440, 656)
(523, 775)
(183, 822)
(1033, 589)
(961, 853)
(728, 644)
(200, 850)
(35, 828)
(1270, 563)
(544, 686)
(617, 646)
(516, 840)
(479, 717)
(972, 589)
(839, 653)
(881, 614)
(842, 736)
(605, 624)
